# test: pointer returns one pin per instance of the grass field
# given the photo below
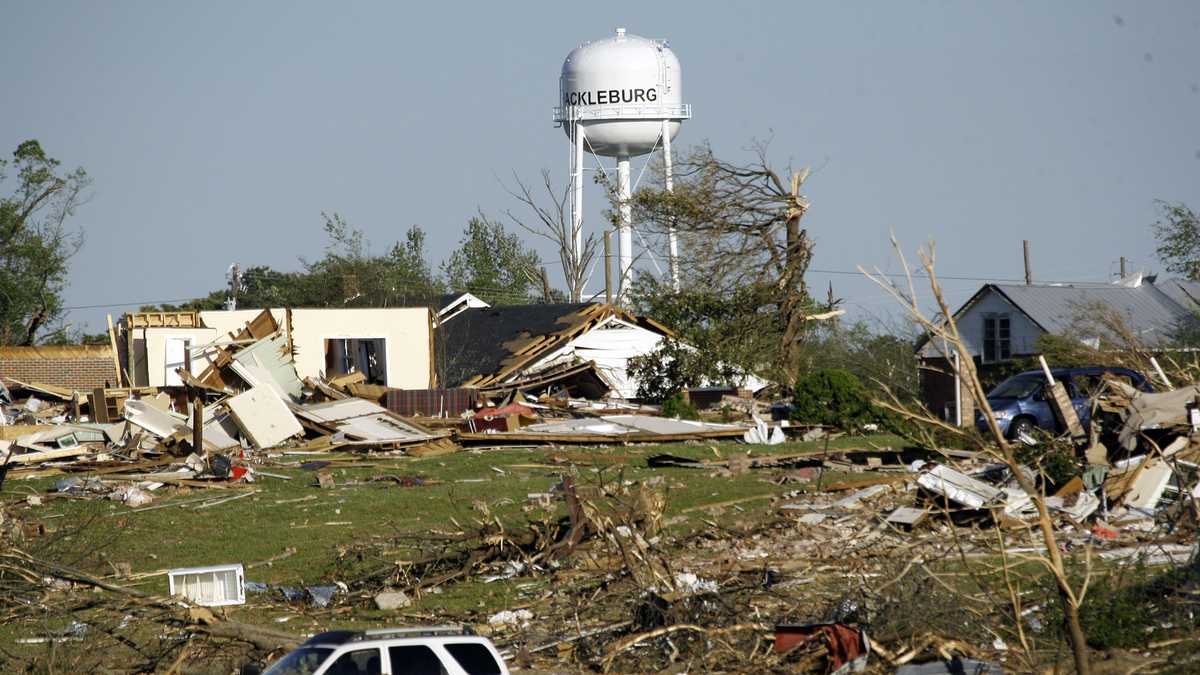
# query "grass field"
(296, 514)
(313, 534)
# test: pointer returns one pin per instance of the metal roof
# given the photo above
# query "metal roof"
(1151, 313)
(1184, 292)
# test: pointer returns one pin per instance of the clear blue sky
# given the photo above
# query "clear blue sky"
(217, 132)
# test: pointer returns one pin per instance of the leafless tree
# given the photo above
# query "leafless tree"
(944, 334)
(554, 223)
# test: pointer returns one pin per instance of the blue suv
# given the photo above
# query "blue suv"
(1020, 404)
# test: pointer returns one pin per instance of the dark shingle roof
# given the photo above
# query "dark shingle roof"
(478, 341)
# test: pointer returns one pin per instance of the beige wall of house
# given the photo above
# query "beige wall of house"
(406, 332)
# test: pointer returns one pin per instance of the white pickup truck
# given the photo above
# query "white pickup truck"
(430, 650)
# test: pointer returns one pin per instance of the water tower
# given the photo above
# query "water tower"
(620, 97)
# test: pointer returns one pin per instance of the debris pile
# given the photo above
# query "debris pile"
(863, 559)
(246, 408)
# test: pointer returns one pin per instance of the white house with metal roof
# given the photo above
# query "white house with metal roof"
(1002, 322)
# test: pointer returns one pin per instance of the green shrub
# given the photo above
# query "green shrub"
(833, 397)
(678, 405)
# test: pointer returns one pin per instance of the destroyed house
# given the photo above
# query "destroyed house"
(390, 346)
(1001, 323)
(583, 348)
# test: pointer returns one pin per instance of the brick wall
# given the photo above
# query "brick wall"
(81, 367)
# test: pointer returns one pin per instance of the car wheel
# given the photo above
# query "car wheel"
(1021, 427)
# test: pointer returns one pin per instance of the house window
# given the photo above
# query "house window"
(997, 338)
(357, 355)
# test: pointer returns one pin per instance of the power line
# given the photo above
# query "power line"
(952, 277)
(133, 304)
(511, 294)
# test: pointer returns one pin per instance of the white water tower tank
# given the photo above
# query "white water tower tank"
(620, 90)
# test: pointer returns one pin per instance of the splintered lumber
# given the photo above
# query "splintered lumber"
(436, 448)
(342, 381)
(53, 391)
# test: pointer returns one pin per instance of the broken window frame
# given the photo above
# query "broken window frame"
(350, 357)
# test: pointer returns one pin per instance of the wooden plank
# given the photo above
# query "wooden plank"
(130, 360)
(48, 455)
(112, 341)
(9, 432)
(186, 319)
(1061, 405)
(348, 379)
(60, 393)
(1065, 411)
(98, 402)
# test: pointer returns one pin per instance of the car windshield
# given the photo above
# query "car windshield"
(1017, 387)
(303, 661)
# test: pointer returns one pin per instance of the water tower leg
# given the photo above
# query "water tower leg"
(669, 181)
(625, 227)
(577, 199)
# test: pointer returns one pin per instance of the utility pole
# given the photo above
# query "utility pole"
(608, 267)
(1028, 269)
(545, 286)
(235, 283)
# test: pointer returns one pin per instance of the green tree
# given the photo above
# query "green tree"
(493, 264)
(350, 276)
(35, 244)
(742, 248)
(1178, 235)
(730, 336)
(347, 275)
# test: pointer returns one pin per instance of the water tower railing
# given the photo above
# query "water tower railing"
(620, 112)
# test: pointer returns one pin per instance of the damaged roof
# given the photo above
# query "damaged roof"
(482, 345)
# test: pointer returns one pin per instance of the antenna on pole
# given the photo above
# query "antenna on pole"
(234, 274)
